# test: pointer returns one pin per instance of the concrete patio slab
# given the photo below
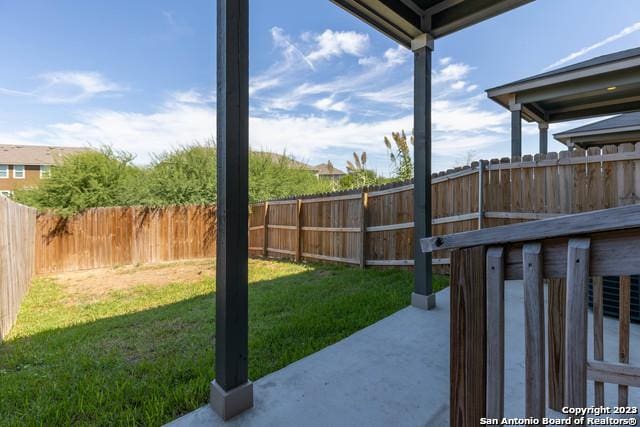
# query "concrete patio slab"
(394, 372)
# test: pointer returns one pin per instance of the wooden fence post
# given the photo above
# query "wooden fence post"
(298, 249)
(265, 250)
(468, 337)
(480, 193)
(363, 228)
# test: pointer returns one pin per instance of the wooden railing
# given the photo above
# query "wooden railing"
(568, 250)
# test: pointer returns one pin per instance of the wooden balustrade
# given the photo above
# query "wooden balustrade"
(568, 251)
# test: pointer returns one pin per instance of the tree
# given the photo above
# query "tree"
(89, 179)
(400, 155)
(274, 176)
(186, 175)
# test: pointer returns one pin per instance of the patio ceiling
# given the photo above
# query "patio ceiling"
(608, 84)
(405, 20)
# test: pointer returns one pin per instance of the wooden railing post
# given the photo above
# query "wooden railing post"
(576, 323)
(534, 330)
(556, 333)
(363, 228)
(624, 315)
(265, 248)
(598, 334)
(495, 333)
(468, 337)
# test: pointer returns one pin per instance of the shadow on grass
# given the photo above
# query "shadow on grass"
(151, 366)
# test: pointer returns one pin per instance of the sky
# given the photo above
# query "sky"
(140, 75)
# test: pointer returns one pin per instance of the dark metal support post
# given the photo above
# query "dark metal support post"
(423, 296)
(544, 137)
(232, 392)
(516, 131)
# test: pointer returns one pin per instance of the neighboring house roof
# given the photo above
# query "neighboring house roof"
(324, 169)
(615, 130)
(605, 85)
(35, 154)
(599, 60)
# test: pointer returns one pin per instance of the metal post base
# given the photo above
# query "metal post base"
(424, 302)
(228, 404)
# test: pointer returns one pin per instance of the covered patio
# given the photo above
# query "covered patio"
(391, 373)
(608, 84)
(415, 24)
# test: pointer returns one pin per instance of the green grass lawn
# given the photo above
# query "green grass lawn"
(144, 355)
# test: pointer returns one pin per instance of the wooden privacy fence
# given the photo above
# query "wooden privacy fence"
(105, 237)
(375, 227)
(568, 251)
(17, 259)
(367, 228)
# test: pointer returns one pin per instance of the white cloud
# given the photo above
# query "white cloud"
(460, 84)
(337, 43)
(458, 127)
(261, 83)
(399, 95)
(350, 106)
(174, 124)
(328, 104)
(451, 72)
(623, 33)
(191, 96)
(69, 87)
(459, 116)
(177, 28)
(372, 71)
(290, 50)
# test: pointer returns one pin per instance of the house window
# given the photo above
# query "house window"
(45, 171)
(4, 171)
(18, 171)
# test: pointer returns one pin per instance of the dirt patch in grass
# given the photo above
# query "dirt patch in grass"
(100, 282)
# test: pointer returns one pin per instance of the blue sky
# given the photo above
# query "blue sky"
(140, 75)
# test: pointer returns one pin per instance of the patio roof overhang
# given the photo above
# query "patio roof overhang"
(405, 20)
(616, 130)
(609, 84)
